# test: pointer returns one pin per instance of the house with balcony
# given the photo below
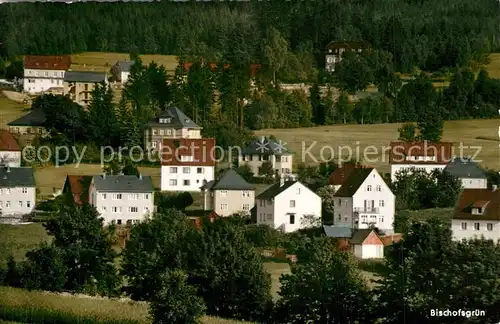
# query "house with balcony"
(187, 163)
(263, 150)
(17, 191)
(42, 73)
(288, 206)
(477, 214)
(29, 126)
(78, 85)
(228, 194)
(468, 171)
(364, 200)
(172, 123)
(10, 151)
(122, 199)
(425, 156)
(336, 50)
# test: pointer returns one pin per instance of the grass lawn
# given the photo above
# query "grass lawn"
(103, 61)
(19, 239)
(493, 67)
(10, 110)
(343, 139)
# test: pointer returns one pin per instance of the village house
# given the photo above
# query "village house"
(426, 156)
(340, 175)
(363, 243)
(17, 191)
(187, 163)
(477, 214)
(469, 172)
(121, 71)
(29, 126)
(78, 187)
(78, 85)
(364, 200)
(122, 199)
(172, 123)
(263, 150)
(10, 151)
(228, 194)
(42, 73)
(288, 206)
(335, 50)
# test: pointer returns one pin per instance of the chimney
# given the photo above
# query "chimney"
(7, 168)
(494, 187)
(282, 181)
(104, 175)
(140, 176)
(262, 139)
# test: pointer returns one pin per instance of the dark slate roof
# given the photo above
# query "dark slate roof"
(352, 184)
(123, 183)
(337, 231)
(265, 145)
(465, 168)
(360, 236)
(228, 180)
(16, 177)
(275, 190)
(36, 117)
(125, 65)
(178, 119)
(84, 76)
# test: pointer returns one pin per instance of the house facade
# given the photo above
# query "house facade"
(172, 123)
(365, 200)
(477, 214)
(29, 126)
(42, 73)
(187, 163)
(78, 85)
(335, 51)
(121, 71)
(367, 244)
(288, 206)
(10, 151)
(469, 172)
(17, 191)
(426, 156)
(263, 150)
(122, 199)
(228, 194)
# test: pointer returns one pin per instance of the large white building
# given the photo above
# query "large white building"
(122, 199)
(17, 191)
(42, 73)
(288, 206)
(187, 163)
(364, 200)
(469, 173)
(424, 155)
(477, 214)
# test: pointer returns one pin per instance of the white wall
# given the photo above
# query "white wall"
(395, 168)
(11, 158)
(470, 232)
(368, 251)
(234, 200)
(195, 179)
(36, 81)
(17, 200)
(124, 76)
(474, 183)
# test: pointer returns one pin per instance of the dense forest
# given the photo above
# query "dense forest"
(426, 34)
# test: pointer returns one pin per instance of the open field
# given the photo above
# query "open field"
(493, 67)
(84, 307)
(10, 110)
(19, 239)
(343, 139)
(103, 61)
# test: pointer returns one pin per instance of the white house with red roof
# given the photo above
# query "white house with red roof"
(10, 151)
(42, 73)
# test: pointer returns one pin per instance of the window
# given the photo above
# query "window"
(161, 131)
(381, 203)
(378, 188)
(340, 217)
(269, 217)
(117, 196)
(25, 190)
(284, 159)
(269, 202)
(199, 170)
(129, 222)
(103, 208)
(103, 196)
(292, 203)
(147, 197)
(292, 218)
(464, 226)
(135, 221)
(52, 81)
(340, 202)
(223, 206)
(7, 204)
(168, 131)
(146, 210)
(173, 169)
(133, 196)
(381, 219)
(28, 204)
(489, 227)
(364, 219)
(476, 226)
(369, 188)
(1, 204)
(154, 144)
(40, 130)
(187, 158)
(133, 209)
(223, 193)
(119, 222)
(187, 182)
(20, 203)
(186, 170)
(155, 132)
(298, 191)
(46, 74)
(172, 182)
(115, 209)
(246, 193)
(246, 207)
(55, 74)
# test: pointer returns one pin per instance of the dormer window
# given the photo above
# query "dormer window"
(164, 120)
(186, 120)
(187, 158)
(477, 211)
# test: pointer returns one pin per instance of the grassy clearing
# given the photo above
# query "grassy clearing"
(342, 139)
(19, 239)
(10, 110)
(493, 67)
(103, 61)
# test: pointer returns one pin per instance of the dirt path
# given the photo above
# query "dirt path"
(14, 96)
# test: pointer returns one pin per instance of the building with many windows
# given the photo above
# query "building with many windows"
(17, 191)
(42, 73)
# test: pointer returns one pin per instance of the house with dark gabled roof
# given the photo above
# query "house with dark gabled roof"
(228, 194)
(364, 200)
(468, 171)
(288, 206)
(78, 85)
(10, 151)
(17, 191)
(477, 214)
(29, 126)
(171, 123)
(263, 150)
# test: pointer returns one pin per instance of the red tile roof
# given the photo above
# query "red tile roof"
(472, 198)
(391, 238)
(75, 185)
(8, 142)
(62, 62)
(402, 151)
(341, 174)
(202, 151)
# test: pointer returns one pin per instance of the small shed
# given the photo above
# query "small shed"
(367, 244)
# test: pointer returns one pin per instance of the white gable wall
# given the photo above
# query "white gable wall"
(470, 183)
(470, 232)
